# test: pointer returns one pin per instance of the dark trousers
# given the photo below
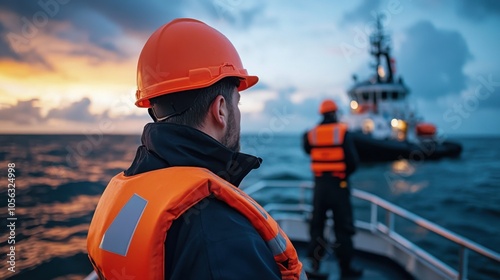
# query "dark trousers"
(329, 195)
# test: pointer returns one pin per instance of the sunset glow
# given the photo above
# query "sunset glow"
(66, 66)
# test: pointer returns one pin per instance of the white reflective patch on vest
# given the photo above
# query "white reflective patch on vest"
(118, 236)
(277, 244)
(336, 135)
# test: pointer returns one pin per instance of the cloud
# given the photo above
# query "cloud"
(104, 21)
(5, 49)
(484, 92)
(28, 112)
(24, 112)
(135, 117)
(94, 27)
(238, 13)
(299, 114)
(77, 111)
(479, 9)
(8, 43)
(362, 12)
(100, 23)
(432, 60)
(135, 15)
(102, 30)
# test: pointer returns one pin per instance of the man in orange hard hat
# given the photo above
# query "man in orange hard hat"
(333, 160)
(176, 212)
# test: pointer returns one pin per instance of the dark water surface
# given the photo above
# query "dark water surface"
(59, 179)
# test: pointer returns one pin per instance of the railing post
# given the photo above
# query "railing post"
(389, 217)
(373, 216)
(464, 263)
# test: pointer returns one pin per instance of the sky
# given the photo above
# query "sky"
(69, 66)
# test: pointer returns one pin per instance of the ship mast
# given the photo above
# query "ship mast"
(380, 48)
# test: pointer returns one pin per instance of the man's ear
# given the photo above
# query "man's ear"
(219, 111)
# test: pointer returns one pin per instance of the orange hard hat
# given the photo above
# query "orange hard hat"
(186, 54)
(327, 106)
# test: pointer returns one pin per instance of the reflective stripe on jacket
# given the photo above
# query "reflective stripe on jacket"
(127, 233)
(327, 153)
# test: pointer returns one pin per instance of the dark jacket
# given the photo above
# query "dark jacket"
(350, 153)
(213, 241)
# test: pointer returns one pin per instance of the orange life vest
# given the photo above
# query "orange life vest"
(130, 224)
(327, 154)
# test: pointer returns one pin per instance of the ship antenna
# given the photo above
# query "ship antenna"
(381, 48)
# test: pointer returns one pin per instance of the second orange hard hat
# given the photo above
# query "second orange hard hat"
(186, 54)
(327, 106)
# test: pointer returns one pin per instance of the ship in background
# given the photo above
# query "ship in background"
(384, 125)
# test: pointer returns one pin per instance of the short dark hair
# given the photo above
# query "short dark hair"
(190, 107)
(330, 117)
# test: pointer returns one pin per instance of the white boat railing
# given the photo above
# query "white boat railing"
(376, 202)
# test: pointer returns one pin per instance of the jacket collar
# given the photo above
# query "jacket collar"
(167, 145)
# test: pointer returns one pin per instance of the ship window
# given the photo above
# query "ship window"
(365, 96)
(395, 95)
(384, 95)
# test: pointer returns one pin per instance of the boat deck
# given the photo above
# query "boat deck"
(374, 267)
(382, 252)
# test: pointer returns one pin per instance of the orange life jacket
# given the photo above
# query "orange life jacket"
(327, 154)
(130, 224)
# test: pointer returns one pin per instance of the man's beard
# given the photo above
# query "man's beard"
(231, 138)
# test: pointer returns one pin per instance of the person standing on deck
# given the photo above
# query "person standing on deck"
(333, 160)
(176, 212)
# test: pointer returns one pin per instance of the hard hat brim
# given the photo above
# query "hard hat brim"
(248, 82)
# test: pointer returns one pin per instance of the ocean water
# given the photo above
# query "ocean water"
(59, 179)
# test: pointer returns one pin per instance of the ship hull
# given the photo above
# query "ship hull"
(377, 150)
